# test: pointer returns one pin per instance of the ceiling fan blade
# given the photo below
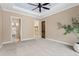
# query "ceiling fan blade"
(35, 8)
(45, 4)
(32, 4)
(46, 8)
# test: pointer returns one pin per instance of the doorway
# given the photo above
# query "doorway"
(16, 29)
(43, 29)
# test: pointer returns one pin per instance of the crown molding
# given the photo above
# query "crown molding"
(37, 15)
(27, 11)
(61, 10)
(21, 13)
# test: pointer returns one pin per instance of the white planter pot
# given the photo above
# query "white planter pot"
(76, 47)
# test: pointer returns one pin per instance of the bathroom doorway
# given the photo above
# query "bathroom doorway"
(16, 29)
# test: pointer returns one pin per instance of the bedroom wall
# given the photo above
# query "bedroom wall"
(64, 17)
(27, 26)
(0, 26)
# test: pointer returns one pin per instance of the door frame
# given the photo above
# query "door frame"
(20, 27)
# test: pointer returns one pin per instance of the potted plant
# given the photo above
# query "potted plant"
(73, 27)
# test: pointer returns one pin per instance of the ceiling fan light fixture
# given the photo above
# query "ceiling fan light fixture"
(40, 6)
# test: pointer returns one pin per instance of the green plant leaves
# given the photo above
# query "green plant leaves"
(68, 29)
(74, 27)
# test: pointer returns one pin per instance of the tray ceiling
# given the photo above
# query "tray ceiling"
(25, 8)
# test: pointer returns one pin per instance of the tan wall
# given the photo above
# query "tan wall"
(27, 26)
(0, 26)
(37, 34)
(64, 17)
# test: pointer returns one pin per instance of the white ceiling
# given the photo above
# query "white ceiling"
(26, 9)
(30, 7)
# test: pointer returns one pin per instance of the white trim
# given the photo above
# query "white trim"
(7, 42)
(21, 30)
(51, 12)
(13, 41)
(27, 11)
(34, 39)
(62, 42)
(21, 13)
(27, 39)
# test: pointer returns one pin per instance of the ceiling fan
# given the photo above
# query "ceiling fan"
(40, 6)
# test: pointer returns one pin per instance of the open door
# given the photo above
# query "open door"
(43, 29)
(16, 29)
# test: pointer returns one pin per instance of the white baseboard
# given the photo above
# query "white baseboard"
(60, 42)
(13, 41)
(7, 42)
(27, 39)
(33, 39)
